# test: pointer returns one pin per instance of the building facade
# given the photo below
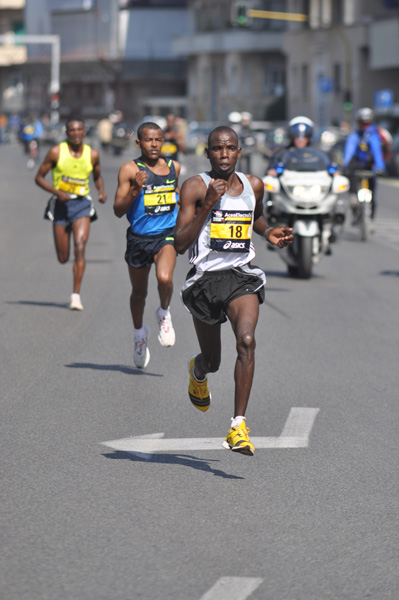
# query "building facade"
(232, 68)
(11, 56)
(115, 54)
(342, 58)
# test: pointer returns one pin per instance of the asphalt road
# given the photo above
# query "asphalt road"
(81, 520)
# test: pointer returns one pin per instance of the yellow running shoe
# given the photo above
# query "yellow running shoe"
(198, 390)
(237, 440)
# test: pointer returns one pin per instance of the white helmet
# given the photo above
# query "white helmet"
(366, 115)
(300, 127)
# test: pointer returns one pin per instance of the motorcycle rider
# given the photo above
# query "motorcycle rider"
(300, 132)
(363, 150)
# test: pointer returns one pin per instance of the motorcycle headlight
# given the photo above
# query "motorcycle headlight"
(307, 192)
(315, 191)
(299, 191)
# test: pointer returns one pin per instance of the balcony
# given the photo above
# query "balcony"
(228, 41)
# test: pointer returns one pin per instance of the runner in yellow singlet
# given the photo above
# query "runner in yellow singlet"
(71, 207)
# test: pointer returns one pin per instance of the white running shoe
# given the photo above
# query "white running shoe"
(166, 333)
(75, 303)
(141, 351)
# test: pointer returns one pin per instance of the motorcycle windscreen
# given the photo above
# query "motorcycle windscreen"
(305, 159)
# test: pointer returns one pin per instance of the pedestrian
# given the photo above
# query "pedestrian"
(218, 211)
(147, 194)
(174, 141)
(71, 208)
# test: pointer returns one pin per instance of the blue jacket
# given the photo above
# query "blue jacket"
(365, 146)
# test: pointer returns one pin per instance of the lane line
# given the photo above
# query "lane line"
(238, 588)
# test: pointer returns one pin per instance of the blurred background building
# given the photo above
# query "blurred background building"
(114, 54)
(203, 59)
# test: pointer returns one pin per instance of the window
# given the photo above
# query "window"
(337, 78)
(305, 82)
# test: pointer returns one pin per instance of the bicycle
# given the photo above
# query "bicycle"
(33, 151)
(364, 196)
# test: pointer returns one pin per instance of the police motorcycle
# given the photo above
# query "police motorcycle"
(121, 133)
(304, 195)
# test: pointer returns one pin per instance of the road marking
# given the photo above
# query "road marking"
(295, 434)
(238, 588)
(391, 182)
(387, 232)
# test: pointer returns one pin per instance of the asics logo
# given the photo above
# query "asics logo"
(234, 245)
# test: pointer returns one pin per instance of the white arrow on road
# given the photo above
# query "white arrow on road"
(295, 434)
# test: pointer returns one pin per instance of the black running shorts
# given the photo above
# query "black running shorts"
(65, 213)
(141, 249)
(209, 296)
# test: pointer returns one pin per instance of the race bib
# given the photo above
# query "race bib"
(72, 185)
(159, 200)
(231, 230)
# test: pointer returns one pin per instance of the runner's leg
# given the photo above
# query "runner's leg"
(208, 361)
(139, 281)
(165, 261)
(243, 314)
(80, 229)
(62, 235)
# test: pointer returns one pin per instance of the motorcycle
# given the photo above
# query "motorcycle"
(304, 196)
(121, 137)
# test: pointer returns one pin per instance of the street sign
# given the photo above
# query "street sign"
(325, 84)
(383, 99)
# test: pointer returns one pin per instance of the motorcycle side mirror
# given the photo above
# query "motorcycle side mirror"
(340, 184)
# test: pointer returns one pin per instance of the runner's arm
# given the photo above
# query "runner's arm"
(278, 236)
(130, 184)
(195, 203)
(48, 163)
(98, 180)
(177, 169)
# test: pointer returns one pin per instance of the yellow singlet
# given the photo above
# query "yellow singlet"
(72, 174)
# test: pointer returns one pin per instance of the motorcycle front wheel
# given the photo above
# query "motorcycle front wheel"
(305, 253)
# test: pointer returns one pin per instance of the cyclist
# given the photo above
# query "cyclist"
(30, 132)
(363, 150)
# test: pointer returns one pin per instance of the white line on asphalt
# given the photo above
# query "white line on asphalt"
(295, 434)
(238, 588)
(391, 182)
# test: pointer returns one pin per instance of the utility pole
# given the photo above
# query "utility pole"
(54, 41)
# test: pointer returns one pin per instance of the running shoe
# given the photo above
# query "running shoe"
(237, 440)
(166, 333)
(198, 390)
(75, 303)
(141, 351)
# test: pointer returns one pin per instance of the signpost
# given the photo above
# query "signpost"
(54, 41)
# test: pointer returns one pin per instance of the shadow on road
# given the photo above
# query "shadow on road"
(121, 368)
(34, 303)
(174, 459)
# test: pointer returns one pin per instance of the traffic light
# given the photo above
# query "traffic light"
(348, 101)
(239, 14)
